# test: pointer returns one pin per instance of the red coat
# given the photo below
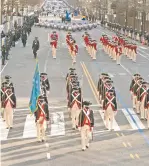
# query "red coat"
(54, 43)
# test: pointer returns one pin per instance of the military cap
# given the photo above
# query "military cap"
(136, 75)
(43, 74)
(110, 91)
(105, 74)
(41, 98)
(86, 103)
(72, 69)
(109, 81)
(7, 77)
(144, 83)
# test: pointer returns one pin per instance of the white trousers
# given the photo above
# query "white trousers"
(41, 128)
(85, 136)
(109, 116)
(53, 52)
(9, 117)
(75, 116)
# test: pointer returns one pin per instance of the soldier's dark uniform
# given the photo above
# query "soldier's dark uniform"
(41, 116)
(86, 124)
(35, 47)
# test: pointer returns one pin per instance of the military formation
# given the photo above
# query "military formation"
(139, 90)
(81, 115)
(72, 47)
(18, 33)
(117, 47)
(90, 45)
(107, 99)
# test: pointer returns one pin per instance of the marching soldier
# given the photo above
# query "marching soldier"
(35, 47)
(74, 51)
(86, 124)
(9, 103)
(41, 117)
(142, 97)
(45, 82)
(146, 105)
(53, 44)
(132, 85)
(24, 38)
(110, 108)
(75, 106)
(9, 83)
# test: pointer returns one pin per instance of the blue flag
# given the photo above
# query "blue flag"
(35, 90)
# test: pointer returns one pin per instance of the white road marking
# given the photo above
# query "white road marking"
(144, 56)
(130, 120)
(57, 124)
(122, 74)
(3, 68)
(115, 125)
(30, 127)
(144, 48)
(126, 69)
(3, 131)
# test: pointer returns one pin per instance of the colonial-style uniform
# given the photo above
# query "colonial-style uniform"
(74, 52)
(118, 54)
(45, 82)
(53, 44)
(9, 103)
(134, 86)
(110, 108)
(41, 116)
(142, 97)
(94, 49)
(146, 105)
(86, 124)
(75, 106)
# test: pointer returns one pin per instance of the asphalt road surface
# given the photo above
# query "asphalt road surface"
(128, 145)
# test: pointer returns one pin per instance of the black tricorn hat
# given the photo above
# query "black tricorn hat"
(87, 103)
(7, 77)
(43, 74)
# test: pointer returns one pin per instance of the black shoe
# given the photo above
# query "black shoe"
(76, 127)
(43, 140)
(7, 59)
(87, 147)
(7, 127)
(10, 127)
(73, 129)
(83, 149)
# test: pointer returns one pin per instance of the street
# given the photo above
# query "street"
(128, 145)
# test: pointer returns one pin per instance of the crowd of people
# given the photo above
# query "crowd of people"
(10, 38)
(129, 32)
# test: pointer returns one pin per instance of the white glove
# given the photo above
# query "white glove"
(79, 128)
(92, 128)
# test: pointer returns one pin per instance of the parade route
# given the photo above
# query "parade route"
(128, 144)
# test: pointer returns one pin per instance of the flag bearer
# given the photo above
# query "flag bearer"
(9, 103)
(86, 124)
(75, 105)
(41, 116)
